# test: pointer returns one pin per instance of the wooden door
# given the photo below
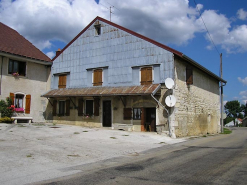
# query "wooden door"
(107, 113)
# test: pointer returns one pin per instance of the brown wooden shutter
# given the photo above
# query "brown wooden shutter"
(97, 77)
(12, 97)
(67, 107)
(146, 76)
(62, 81)
(127, 113)
(54, 110)
(80, 107)
(189, 75)
(143, 119)
(96, 106)
(28, 104)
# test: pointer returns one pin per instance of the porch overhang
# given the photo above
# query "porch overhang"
(140, 90)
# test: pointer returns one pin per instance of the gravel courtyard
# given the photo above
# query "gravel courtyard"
(33, 152)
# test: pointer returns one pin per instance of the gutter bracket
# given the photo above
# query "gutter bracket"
(50, 102)
(72, 102)
(123, 101)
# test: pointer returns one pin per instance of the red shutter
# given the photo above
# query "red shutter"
(67, 107)
(143, 119)
(54, 110)
(80, 107)
(189, 75)
(96, 106)
(127, 113)
(12, 97)
(28, 104)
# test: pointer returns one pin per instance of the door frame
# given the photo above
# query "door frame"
(103, 101)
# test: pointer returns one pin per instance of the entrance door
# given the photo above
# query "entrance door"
(151, 119)
(106, 113)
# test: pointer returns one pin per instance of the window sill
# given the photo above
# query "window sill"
(20, 76)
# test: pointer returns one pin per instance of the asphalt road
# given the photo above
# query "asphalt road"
(220, 159)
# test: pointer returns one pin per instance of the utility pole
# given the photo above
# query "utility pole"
(221, 95)
(111, 12)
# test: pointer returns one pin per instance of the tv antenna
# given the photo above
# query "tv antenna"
(110, 8)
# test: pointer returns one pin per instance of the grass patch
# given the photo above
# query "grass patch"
(125, 135)
(113, 138)
(76, 133)
(227, 131)
(29, 155)
(162, 143)
(21, 126)
(204, 136)
(73, 155)
(84, 131)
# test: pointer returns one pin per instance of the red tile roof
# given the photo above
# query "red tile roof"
(12, 42)
(103, 91)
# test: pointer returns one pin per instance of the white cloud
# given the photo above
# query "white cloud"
(243, 95)
(242, 14)
(50, 54)
(44, 21)
(244, 80)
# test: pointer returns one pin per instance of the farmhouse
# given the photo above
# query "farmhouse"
(110, 76)
(24, 75)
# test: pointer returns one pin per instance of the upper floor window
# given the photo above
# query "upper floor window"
(62, 81)
(97, 29)
(97, 77)
(189, 75)
(17, 67)
(146, 75)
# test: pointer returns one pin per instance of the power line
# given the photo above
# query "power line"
(206, 27)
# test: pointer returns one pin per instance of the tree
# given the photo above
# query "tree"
(233, 109)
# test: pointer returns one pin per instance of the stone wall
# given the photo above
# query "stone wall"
(197, 111)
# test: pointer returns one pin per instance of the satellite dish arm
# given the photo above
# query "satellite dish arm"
(153, 93)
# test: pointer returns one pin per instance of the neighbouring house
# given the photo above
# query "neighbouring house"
(110, 76)
(25, 75)
(245, 122)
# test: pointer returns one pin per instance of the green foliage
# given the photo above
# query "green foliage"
(227, 131)
(5, 109)
(232, 108)
(6, 120)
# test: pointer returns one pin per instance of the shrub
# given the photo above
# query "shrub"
(5, 108)
(6, 120)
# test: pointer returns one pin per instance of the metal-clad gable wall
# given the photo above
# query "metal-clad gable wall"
(118, 50)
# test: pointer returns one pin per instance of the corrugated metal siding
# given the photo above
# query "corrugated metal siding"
(114, 48)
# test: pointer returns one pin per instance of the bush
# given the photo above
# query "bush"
(5, 108)
(6, 120)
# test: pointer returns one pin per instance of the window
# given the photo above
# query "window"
(97, 77)
(62, 81)
(21, 102)
(146, 76)
(97, 29)
(17, 67)
(89, 107)
(61, 108)
(136, 113)
(189, 75)
(127, 113)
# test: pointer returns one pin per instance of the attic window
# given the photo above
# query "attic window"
(189, 75)
(97, 29)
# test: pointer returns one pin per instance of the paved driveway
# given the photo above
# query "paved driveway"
(35, 152)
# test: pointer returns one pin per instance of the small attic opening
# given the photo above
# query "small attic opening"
(97, 29)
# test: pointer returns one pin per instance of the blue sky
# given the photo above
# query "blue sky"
(51, 24)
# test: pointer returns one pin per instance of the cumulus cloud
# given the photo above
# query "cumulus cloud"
(242, 14)
(244, 80)
(50, 54)
(243, 95)
(167, 21)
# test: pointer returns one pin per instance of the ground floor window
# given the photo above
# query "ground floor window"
(136, 113)
(19, 100)
(89, 107)
(61, 108)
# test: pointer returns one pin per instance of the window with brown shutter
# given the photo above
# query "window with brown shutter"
(189, 75)
(127, 113)
(67, 107)
(62, 81)
(80, 107)
(54, 110)
(97, 77)
(28, 104)
(96, 106)
(12, 97)
(146, 76)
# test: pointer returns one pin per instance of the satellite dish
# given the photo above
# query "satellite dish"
(170, 100)
(169, 83)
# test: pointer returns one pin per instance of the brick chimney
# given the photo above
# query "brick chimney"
(58, 51)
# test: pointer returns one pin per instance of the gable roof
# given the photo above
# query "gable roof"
(11, 42)
(175, 52)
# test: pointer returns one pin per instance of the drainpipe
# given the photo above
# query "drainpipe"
(1, 76)
(168, 115)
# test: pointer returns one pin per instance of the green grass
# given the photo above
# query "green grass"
(113, 138)
(76, 133)
(227, 131)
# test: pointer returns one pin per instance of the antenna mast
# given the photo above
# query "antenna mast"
(111, 11)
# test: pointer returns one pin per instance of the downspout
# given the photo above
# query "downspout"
(168, 115)
(1, 76)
